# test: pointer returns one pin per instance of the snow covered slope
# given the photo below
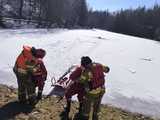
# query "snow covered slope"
(133, 82)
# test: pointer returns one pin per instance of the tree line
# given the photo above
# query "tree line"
(60, 13)
(142, 22)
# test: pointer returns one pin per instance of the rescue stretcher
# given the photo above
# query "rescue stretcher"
(60, 85)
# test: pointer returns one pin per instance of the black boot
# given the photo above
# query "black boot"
(39, 96)
(95, 116)
(22, 99)
(79, 115)
(80, 107)
(32, 101)
(65, 113)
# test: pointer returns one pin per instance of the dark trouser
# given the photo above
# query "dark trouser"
(26, 88)
(40, 88)
(92, 104)
(75, 88)
(39, 81)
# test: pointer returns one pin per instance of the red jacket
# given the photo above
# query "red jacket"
(23, 57)
(76, 74)
(40, 75)
(40, 70)
(76, 87)
(98, 77)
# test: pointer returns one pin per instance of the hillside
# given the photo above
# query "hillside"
(49, 109)
(133, 82)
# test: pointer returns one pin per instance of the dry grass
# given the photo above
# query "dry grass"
(49, 109)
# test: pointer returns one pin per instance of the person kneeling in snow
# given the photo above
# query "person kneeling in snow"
(39, 74)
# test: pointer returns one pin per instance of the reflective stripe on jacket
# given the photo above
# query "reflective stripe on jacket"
(95, 75)
(20, 70)
(39, 68)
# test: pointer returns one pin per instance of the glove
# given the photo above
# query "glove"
(14, 70)
(44, 77)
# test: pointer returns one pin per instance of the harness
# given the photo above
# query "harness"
(86, 79)
(23, 59)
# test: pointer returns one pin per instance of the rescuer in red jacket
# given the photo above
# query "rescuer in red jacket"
(39, 75)
(88, 82)
(23, 70)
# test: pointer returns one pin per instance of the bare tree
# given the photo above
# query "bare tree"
(21, 8)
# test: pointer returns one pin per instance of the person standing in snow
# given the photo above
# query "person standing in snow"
(74, 88)
(24, 68)
(89, 80)
(93, 79)
(39, 74)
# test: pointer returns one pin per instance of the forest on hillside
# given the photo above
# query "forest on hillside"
(141, 22)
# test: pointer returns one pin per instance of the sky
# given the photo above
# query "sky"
(114, 5)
